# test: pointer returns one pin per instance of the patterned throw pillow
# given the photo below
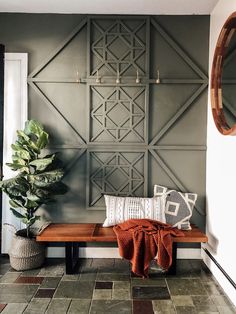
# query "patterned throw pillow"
(179, 206)
(120, 209)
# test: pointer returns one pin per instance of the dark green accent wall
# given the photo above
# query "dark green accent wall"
(117, 137)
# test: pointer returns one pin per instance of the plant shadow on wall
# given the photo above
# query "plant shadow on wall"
(37, 181)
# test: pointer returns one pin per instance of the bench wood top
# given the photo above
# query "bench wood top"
(94, 232)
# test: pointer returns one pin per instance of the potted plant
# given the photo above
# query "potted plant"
(37, 180)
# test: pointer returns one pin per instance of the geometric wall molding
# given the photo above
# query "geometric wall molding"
(175, 46)
(116, 173)
(117, 44)
(118, 114)
(118, 145)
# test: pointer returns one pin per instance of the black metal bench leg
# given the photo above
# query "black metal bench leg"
(71, 256)
(172, 269)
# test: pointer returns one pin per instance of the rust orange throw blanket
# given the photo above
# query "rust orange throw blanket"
(140, 240)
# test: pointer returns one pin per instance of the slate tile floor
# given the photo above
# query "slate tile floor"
(106, 286)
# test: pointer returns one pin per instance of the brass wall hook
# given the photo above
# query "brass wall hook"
(78, 79)
(137, 78)
(98, 78)
(118, 77)
(158, 81)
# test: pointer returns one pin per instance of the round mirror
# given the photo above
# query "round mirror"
(223, 79)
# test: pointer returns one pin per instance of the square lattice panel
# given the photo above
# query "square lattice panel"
(118, 114)
(117, 45)
(115, 173)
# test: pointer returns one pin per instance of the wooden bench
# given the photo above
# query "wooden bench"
(75, 235)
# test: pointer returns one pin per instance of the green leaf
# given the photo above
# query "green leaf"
(30, 204)
(19, 161)
(15, 191)
(56, 164)
(32, 196)
(20, 148)
(26, 221)
(41, 164)
(14, 204)
(14, 187)
(24, 170)
(31, 221)
(33, 127)
(21, 135)
(26, 141)
(16, 147)
(23, 182)
(18, 201)
(46, 179)
(15, 166)
(42, 140)
(43, 194)
(20, 152)
(17, 214)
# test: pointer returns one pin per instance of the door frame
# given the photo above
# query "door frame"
(15, 115)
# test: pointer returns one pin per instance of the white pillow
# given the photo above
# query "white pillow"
(179, 206)
(120, 209)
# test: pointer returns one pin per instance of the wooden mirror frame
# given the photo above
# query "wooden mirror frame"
(223, 41)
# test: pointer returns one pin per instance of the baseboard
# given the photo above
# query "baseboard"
(98, 252)
(220, 276)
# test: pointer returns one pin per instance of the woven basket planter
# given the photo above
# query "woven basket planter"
(26, 253)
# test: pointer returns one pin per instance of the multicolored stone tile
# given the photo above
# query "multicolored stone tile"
(186, 310)
(163, 306)
(88, 276)
(221, 300)
(121, 285)
(182, 300)
(14, 308)
(45, 293)
(102, 294)
(158, 282)
(17, 293)
(186, 286)
(79, 307)
(107, 286)
(112, 277)
(37, 306)
(111, 306)
(104, 285)
(142, 307)
(30, 272)
(2, 305)
(9, 277)
(150, 293)
(29, 280)
(50, 282)
(121, 294)
(74, 290)
(58, 306)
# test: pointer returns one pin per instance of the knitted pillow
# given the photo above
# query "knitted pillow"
(179, 206)
(120, 209)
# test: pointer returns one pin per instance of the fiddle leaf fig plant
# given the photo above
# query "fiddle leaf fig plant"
(38, 177)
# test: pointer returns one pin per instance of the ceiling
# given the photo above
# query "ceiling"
(175, 7)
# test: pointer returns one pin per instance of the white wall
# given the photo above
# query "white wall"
(221, 174)
(109, 6)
